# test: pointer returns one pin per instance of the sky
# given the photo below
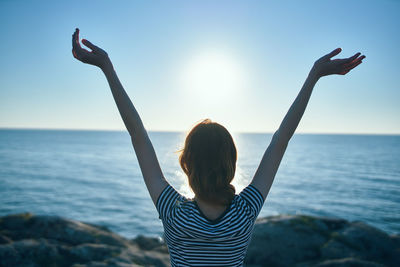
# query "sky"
(239, 63)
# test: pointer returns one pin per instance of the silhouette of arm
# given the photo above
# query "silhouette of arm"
(143, 147)
(272, 157)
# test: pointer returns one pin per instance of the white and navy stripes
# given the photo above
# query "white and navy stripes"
(194, 240)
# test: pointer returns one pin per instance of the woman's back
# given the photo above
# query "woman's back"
(194, 240)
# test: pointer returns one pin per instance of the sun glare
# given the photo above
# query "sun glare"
(212, 85)
(212, 75)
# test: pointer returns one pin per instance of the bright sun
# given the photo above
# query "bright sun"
(212, 74)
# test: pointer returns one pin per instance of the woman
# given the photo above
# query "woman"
(215, 227)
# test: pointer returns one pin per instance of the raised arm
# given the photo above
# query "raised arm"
(269, 165)
(145, 153)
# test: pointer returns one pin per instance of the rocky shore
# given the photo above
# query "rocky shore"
(30, 240)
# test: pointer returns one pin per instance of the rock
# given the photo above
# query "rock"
(149, 243)
(286, 240)
(334, 249)
(274, 237)
(28, 240)
(4, 239)
(289, 240)
(348, 262)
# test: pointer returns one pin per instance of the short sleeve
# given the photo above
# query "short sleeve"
(167, 201)
(254, 199)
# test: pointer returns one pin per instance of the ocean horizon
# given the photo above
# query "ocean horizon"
(94, 176)
(185, 131)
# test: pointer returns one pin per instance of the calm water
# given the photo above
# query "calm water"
(94, 176)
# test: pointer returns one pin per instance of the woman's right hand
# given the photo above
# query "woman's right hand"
(97, 57)
(325, 66)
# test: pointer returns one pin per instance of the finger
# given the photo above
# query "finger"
(77, 38)
(355, 61)
(75, 41)
(90, 45)
(333, 53)
(75, 46)
(349, 68)
(79, 49)
(350, 59)
(353, 65)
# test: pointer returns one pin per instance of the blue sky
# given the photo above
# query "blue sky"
(240, 63)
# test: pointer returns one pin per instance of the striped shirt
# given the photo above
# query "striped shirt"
(194, 240)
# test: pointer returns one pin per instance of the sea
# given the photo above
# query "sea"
(94, 176)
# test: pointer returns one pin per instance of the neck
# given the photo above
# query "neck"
(207, 203)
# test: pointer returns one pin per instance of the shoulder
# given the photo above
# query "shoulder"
(251, 199)
(170, 200)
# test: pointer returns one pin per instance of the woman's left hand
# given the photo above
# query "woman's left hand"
(97, 57)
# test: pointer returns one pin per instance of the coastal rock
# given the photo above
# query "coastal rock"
(290, 240)
(29, 240)
(298, 240)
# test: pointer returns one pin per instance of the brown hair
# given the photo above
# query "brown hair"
(209, 160)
